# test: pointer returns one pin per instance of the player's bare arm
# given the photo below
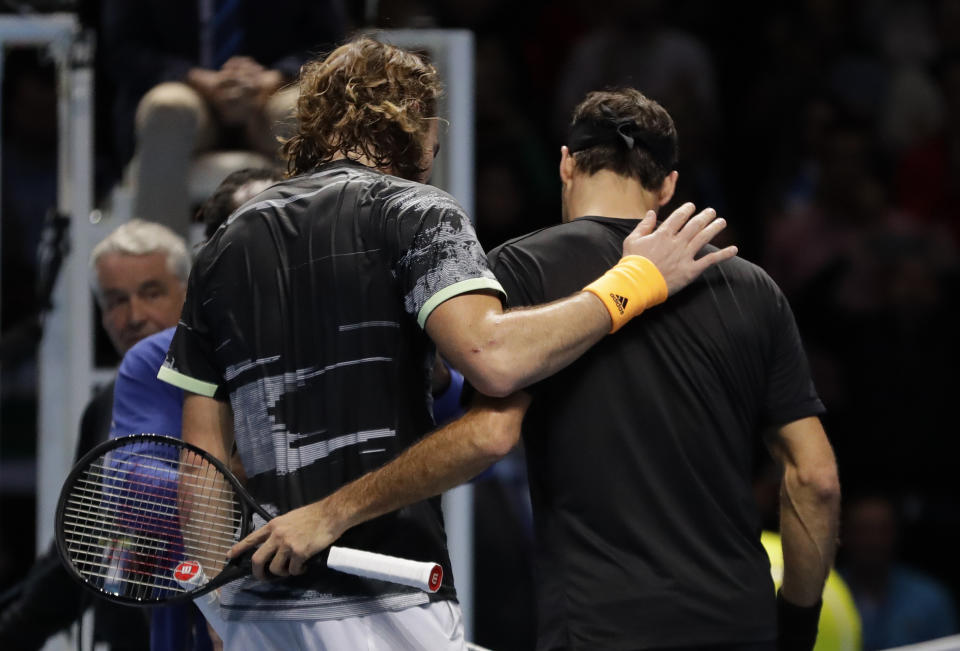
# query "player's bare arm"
(443, 459)
(208, 424)
(809, 508)
(501, 352)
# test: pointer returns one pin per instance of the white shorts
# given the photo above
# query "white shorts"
(436, 626)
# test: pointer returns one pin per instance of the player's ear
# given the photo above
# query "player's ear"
(567, 165)
(667, 189)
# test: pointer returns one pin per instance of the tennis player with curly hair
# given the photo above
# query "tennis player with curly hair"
(309, 332)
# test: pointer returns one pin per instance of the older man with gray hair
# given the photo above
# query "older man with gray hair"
(139, 277)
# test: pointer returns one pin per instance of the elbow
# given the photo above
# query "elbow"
(492, 374)
(496, 386)
(821, 483)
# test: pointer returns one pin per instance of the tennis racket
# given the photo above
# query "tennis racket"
(140, 515)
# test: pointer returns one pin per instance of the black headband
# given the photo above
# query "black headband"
(622, 132)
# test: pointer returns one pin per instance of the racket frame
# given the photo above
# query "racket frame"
(234, 569)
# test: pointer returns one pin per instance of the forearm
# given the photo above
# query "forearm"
(445, 458)
(501, 352)
(442, 460)
(530, 344)
(809, 515)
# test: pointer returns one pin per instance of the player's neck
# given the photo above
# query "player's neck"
(357, 157)
(606, 194)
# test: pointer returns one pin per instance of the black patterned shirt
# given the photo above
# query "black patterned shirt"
(306, 310)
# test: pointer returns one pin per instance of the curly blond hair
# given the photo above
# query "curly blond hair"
(369, 99)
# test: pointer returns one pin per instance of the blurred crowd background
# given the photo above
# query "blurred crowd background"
(827, 133)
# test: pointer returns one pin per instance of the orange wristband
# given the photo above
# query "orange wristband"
(629, 288)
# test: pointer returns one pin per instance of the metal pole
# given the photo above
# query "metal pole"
(65, 357)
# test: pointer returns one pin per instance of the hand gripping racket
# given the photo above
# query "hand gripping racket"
(139, 514)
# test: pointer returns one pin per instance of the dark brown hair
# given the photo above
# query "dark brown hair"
(653, 156)
(366, 98)
(223, 201)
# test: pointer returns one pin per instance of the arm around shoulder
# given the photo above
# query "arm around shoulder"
(501, 352)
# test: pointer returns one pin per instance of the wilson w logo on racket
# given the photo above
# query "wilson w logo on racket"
(186, 570)
(140, 517)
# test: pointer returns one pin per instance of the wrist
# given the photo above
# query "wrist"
(797, 626)
(630, 287)
(333, 515)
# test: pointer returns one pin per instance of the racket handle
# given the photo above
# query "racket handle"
(425, 576)
(190, 575)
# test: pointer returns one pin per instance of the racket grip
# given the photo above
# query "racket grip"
(424, 576)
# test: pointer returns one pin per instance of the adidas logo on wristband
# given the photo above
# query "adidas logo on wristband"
(620, 302)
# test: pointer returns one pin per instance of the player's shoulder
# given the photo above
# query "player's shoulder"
(744, 273)
(296, 193)
(575, 233)
(403, 196)
(514, 244)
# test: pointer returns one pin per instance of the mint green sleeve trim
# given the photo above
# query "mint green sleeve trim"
(186, 382)
(462, 287)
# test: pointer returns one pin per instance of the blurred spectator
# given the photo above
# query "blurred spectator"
(913, 109)
(928, 174)
(140, 278)
(897, 605)
(822, 225)
(234, 191)
(874, 293)
(201, 74)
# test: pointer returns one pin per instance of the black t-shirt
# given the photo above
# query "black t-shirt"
(304, 310)
(640, 453)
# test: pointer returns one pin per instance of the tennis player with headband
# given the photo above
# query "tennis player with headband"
(648, 532)
(308, 335)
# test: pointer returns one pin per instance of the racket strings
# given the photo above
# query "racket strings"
(92, 526)
(133, 480)
(153, 505)
(133, 516)
(148, 506)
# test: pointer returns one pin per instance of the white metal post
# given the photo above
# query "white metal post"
(66, 352)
